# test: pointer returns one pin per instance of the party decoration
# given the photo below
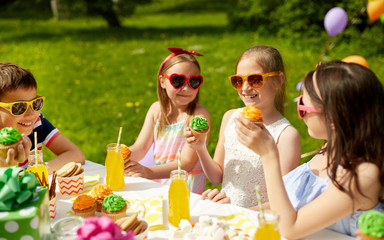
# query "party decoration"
(15, 190)
(356, 59)
(335, 21)
(375, 9)
(300, 86)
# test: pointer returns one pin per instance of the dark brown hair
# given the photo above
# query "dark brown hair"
(352, 99)
(270, 60)
(13, 77)
(162, 94)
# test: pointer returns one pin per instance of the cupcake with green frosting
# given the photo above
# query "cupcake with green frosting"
(114, 206)
(199, 127)
(10, 137)
(371, 225)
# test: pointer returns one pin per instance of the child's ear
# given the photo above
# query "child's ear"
(280, 81)
(161, 81)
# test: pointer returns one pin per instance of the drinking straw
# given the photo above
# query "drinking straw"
(118, 139)
(36, 155)
(260, 203)
(179, 162)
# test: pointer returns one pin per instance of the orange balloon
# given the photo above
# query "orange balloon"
(375, 9)
(356, 59)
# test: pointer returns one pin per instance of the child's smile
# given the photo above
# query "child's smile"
(24, 123)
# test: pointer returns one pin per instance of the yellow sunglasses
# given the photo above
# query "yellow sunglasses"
(255, 80)
(21, 107)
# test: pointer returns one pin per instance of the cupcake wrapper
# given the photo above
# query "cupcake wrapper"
(52, 208)
(71, 185)
(199, 135)
(85, 213)
(4, 149)
(115, 216)
(99, 203)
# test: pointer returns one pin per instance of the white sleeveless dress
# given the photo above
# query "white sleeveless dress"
(243, 169)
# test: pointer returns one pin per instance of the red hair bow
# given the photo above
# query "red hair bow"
(176, 51)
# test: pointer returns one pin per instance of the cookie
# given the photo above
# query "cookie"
(139, 228)
(78, 170)
(67, 169)
(129, 223)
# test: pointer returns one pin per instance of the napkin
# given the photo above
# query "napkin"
(240, 221)
(151, 209)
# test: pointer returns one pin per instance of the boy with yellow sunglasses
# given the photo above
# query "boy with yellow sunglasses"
(20, 108)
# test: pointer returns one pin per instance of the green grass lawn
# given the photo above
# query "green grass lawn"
(97, 79)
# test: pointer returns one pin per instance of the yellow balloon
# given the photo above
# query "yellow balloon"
(356, 59)
(375, 9)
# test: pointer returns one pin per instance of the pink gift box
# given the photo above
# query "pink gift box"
(71, 185)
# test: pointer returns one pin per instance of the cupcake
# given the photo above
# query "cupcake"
(84, 206)
(10, 137)
(371, 225)
(125, 152)
(253, 114)
(114, 206)
(199, 127)
(99, 192)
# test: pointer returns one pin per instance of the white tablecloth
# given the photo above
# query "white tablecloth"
(140, 188)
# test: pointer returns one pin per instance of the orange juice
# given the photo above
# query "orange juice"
(268, 227)
(39, 170)
(267, 231)
(178, 198)
(114, 165)
(37, 166)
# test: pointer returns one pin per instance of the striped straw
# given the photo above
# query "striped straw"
(118, 139)
(36, 155)
(259, 202)
(179, 162)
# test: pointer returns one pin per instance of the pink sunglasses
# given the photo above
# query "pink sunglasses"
(302, 109)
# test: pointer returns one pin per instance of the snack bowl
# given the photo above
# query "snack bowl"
(71, 185)
(143, 235)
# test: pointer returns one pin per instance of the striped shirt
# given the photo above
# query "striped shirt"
(46, 133)
(166, 148)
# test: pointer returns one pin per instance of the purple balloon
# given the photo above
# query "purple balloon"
(335, 21)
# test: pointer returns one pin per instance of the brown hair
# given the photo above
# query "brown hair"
(352, 99)
(162, 94)
(13, 77)
(270, 60)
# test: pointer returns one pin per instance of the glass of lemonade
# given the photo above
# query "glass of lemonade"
(178, 197)
(37, 166)
(268, 226)
(114, 166)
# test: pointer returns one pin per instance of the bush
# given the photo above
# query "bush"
(298, 19)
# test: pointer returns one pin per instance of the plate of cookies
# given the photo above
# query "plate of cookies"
(136, 224)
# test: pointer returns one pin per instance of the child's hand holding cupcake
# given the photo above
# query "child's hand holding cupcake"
(14, 147)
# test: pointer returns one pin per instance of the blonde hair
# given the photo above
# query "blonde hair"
(270, 60)
(165, 106)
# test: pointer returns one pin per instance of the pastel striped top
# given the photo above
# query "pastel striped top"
(166, 148)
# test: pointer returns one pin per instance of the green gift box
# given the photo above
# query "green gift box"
(27, 217)
(31, 221)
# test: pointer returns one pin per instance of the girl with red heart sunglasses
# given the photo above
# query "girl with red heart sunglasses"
(178, 84)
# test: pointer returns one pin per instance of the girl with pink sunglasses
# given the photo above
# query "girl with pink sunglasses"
(342, 103)
(178, 86)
